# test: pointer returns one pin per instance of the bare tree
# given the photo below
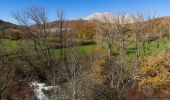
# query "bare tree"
(106, 33)
(121, 22)
(33, 23)
(113, 31)
(62, 28)
(138, 30)
(65, 35)
(150, 29)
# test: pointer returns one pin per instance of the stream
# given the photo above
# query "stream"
(38, 89)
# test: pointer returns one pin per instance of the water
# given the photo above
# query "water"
(38, 89)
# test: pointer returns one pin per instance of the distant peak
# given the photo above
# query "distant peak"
(98, 15)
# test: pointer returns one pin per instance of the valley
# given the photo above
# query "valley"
(100, 56)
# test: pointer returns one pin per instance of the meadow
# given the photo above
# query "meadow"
(13, 45)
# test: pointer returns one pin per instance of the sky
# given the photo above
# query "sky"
(81, 8)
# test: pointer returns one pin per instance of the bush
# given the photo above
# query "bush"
(55, 43)
(87, 42)
(16, 35)
(154, 73)
(105, 93)
(19, 91)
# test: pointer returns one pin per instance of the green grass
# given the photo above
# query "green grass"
(152, 48)
(12, 45)
(82, 50)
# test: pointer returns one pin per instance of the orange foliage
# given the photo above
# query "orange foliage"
(97, 69)
(154, 73)
(87, 31)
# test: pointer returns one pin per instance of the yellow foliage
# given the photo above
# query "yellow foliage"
(97, 72)
(154, 71)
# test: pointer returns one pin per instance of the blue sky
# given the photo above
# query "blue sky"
(80, 8)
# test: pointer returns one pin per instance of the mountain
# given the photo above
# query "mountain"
(10, 31)
(100, 16)
(88, 25)
(72, 23)
(80, 27)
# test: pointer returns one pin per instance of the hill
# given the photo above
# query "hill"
(10, 31)
(5, 25)
(82, 28)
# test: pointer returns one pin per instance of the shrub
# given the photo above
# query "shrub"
(20, 91)
(87, 42)
(154, 73)
(16, 35)
(105, 93)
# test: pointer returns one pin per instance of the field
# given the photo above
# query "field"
(13, 45)
(152, 48)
